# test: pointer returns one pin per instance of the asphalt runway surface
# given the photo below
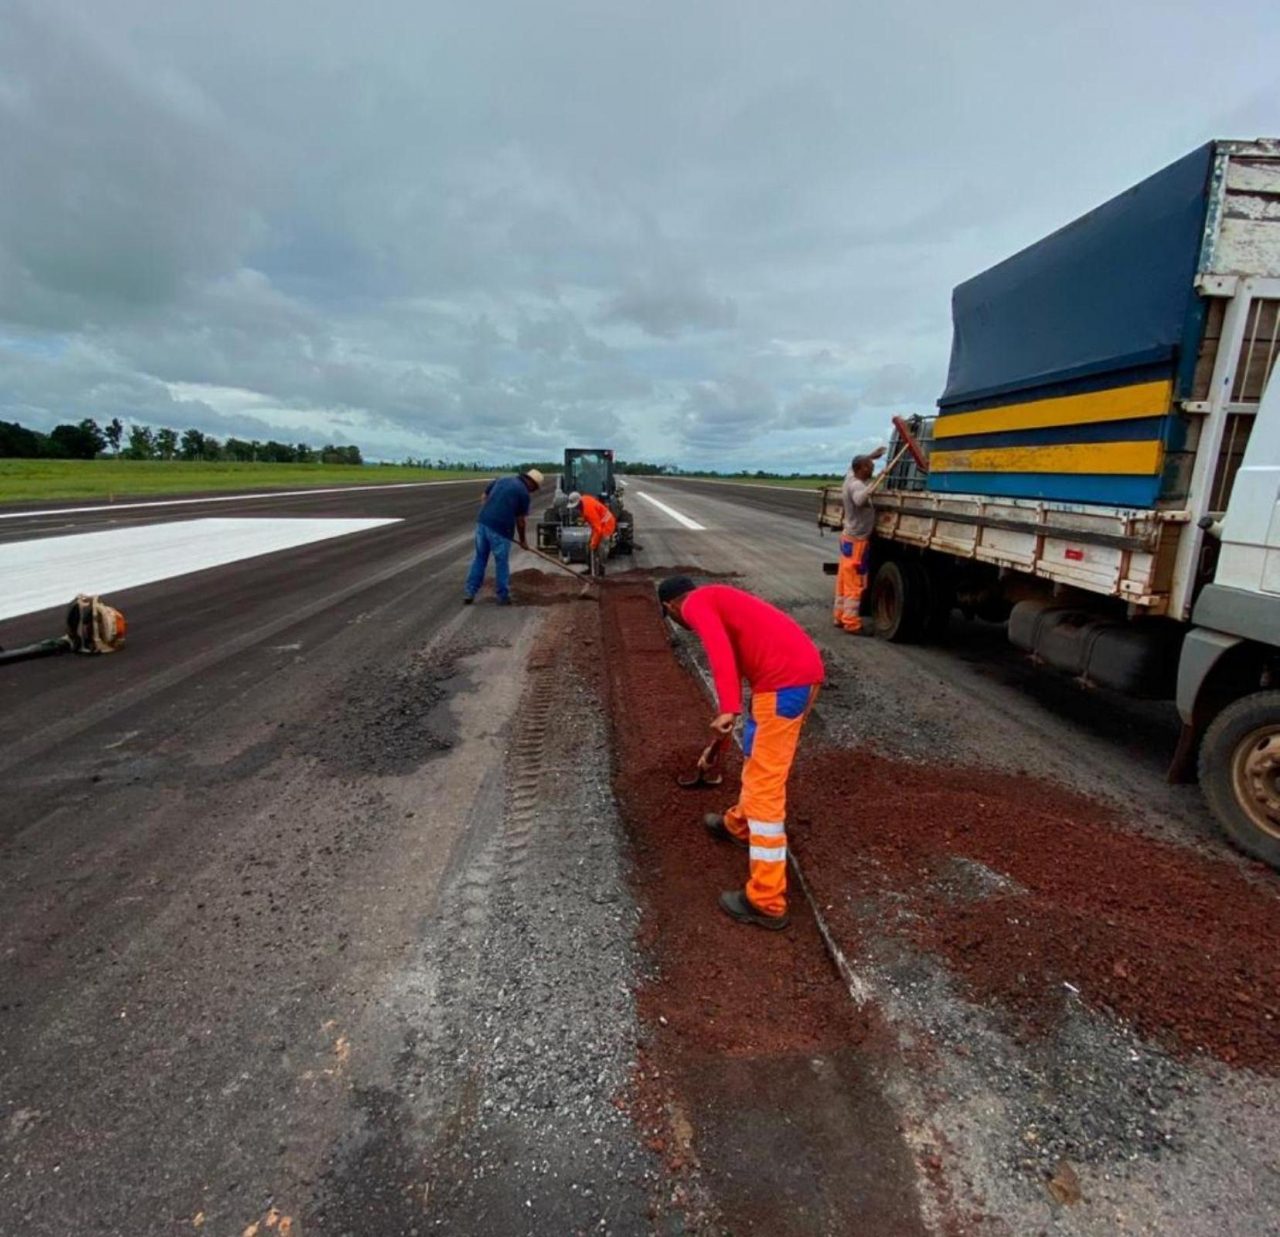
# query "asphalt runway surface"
(255, 959)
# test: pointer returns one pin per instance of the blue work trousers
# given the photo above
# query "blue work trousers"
(488, 541)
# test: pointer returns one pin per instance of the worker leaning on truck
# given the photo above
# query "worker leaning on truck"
(600, 520)
(746, 638)
(855, 542)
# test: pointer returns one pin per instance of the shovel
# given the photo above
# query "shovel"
(707, 771)
(589, 590)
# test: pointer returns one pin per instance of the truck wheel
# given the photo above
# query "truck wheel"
(897, 601)
(1240, 773)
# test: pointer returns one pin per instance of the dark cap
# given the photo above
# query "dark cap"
(673, 587)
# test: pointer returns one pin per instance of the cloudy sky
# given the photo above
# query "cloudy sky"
(710, 233)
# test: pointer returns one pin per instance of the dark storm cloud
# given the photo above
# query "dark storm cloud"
(120, 185)
(708, 232)
(817, 407)
(669, 306)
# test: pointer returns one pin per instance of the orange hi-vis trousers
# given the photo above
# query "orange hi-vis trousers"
(851, 582)
(603, 528)
(769, 744)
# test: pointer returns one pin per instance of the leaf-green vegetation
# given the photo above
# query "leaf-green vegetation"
(50, 479)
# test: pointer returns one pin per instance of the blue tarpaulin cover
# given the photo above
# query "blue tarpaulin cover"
(1109, 292)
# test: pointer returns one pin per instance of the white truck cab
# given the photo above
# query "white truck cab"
(1249, 559)
(1229, 670)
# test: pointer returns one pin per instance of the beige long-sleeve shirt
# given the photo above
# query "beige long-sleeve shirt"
(859, 510)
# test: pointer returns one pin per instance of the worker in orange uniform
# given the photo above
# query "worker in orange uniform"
(746, 638)
(855, 543)
(600, 519)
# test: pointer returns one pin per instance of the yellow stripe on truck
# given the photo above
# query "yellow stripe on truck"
(1132, 458)
(1142, 399)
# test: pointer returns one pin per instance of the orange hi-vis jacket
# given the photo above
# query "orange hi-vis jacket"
(600, 518)
(747, 638)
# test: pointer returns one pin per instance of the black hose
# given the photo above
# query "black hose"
(46, 648)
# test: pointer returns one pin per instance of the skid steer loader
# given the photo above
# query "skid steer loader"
(563, 531)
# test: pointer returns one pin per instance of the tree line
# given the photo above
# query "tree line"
(87, 440)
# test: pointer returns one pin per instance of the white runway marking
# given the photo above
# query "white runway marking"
(673, 513)
(233, 498)
(50, 571)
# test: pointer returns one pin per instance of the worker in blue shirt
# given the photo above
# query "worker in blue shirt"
(501, 520)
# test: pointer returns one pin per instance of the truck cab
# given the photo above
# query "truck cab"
(1228, 692)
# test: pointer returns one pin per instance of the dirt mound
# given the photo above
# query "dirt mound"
(756, 990)
(532, 587)
(1024, 888)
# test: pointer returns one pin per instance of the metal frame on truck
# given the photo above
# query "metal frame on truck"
(1242, 357)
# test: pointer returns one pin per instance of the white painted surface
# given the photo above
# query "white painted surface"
(50, 571)
(1250, 555)
(673, 513)
(234, 498)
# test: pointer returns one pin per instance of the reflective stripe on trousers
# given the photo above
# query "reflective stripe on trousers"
(851, 582)
(769, 744)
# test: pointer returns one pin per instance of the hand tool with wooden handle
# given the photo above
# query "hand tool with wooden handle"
(707, 771)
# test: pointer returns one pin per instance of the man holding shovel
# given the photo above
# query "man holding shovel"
(503, 511)
(746, 638)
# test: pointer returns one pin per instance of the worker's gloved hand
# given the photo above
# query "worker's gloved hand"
(723, 723)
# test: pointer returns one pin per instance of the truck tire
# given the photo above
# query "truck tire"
(1240, 773)
(897, 601)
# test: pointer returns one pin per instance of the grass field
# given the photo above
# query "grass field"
(42, 480)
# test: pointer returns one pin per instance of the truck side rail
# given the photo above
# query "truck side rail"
(1116, 552)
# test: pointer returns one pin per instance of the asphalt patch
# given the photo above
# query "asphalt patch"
(391, 720)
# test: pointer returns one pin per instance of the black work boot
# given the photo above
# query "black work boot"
(735, 903)
(718, 830)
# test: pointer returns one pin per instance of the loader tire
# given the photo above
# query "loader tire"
(1240, 773)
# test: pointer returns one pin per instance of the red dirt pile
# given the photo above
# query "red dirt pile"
(725, 989)
(753, 1079)
(532, 587)
(1183, 947)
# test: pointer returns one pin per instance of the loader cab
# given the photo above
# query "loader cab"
(589, 471)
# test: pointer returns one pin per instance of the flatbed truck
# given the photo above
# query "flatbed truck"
(1103, 468)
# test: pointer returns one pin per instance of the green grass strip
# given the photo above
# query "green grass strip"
(46, 480)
